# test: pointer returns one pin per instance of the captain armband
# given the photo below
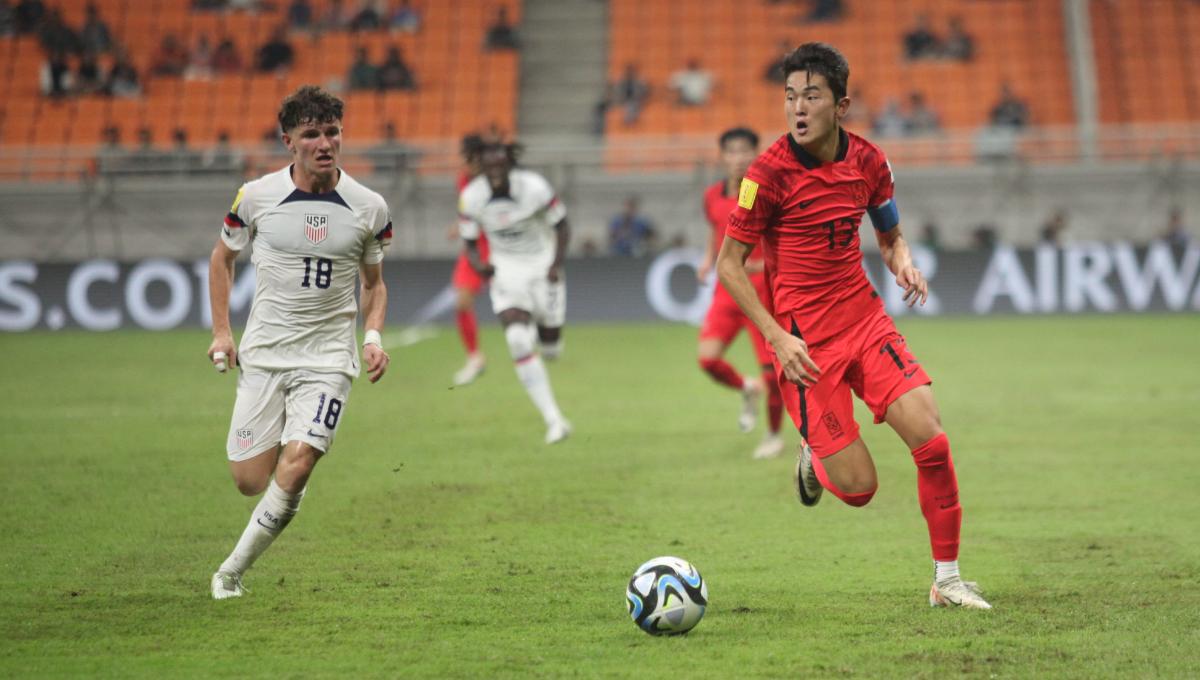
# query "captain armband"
(886, 216)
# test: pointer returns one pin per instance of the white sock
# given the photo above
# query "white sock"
(552, 350)
(271, 516)
(532, 373)
(944, 571)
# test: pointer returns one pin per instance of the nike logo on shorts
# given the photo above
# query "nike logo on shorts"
(317, 435)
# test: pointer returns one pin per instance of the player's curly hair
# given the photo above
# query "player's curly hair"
(822, 58)
(309, 104)
(471, 146)
(738, 133)
(512, 151)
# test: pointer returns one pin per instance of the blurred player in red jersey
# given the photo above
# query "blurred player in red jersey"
(725, 319)
(467, 282)
(803, 199)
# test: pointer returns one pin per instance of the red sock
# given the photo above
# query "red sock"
(856, 499)
(468, 330)
(937, 488)
(722, 372)
(774, 399)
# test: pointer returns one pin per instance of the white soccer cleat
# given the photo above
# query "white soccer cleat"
(226, 585)
(470, 370)
(752, 389)
(770, 447)
(808, 487)
(558, 431)
(956, 592)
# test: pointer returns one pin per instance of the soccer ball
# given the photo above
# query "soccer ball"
(666, 596)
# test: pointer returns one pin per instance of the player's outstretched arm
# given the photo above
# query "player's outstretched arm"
(220, 281)
(476, 262)
(894, 250)
(374, 306)
(791, 351)
(562, 236)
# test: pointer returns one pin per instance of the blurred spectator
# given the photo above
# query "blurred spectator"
(1052, 231)
(88, 79)
(931, 236)
(693, 85)
(825, 10)
(55, 77)
(984, 237)
(922, 120)
(123, 79)
(300, 14)
(774, 71)
(276, 54)
(226, 60)
(27, 15)
(629, 92)
(363, 74)
(111, 155)
(8, 22)
(96, 35)
(920, 42)
(367, 18)
(200, 60)
(221, 157)
(958, 44)
(171, 59)
(56, 36)
(405, 18)
(183, 158)
(1009, 110)
(891, 121)
(389, 155)
(394, 73)
(630, 234)
(337, 16)
(501, 35)
(144, 157)
(1176, 234)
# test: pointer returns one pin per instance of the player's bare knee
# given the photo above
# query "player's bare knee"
(463, 300)
(251, 485)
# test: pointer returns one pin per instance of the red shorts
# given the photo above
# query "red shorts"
(725, 319)
(870, 358)
(465, 276)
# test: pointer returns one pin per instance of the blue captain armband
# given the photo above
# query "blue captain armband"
(886, 216)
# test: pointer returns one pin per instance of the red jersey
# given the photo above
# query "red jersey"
(806, 214)
(718, 203)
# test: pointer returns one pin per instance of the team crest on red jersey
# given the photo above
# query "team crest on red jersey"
(861, 194)
(316, 227)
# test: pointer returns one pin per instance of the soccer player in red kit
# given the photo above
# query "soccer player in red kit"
(803, 200)
(725, 319)
(466, 281)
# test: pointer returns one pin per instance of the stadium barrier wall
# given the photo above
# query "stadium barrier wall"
(162, 294)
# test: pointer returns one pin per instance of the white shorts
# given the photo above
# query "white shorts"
(533, 293)
(277, 407)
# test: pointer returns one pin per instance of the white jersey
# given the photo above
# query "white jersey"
(519, 226)
(307, 252)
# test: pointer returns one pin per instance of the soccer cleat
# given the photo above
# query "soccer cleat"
(770, 447)
(470, 370)
(808, 487)
(226, 585)
(956, 592)
(558, 431)
(752, 389)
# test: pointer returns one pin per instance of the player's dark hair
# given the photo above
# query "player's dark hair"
(471, 146)
(309, 104)
(511, 150)
(822, 58)
(738, 133)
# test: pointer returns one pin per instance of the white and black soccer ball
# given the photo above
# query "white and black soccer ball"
(666, 596)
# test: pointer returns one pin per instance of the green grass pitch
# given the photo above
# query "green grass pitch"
(442, 539)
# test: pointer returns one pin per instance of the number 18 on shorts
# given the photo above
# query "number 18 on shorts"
(275, 407)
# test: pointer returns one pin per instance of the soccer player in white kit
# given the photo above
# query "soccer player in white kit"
(316, 234)
(526, 227)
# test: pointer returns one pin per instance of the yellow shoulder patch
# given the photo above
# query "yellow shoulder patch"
(748, 193)
(237, 200)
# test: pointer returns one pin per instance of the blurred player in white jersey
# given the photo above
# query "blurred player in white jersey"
(526, 226)
(317, 234)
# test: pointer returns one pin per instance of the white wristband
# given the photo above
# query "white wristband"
(372, 337)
